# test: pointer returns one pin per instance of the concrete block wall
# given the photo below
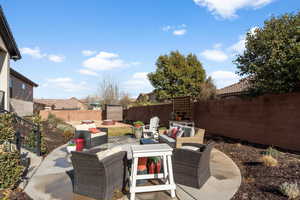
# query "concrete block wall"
(73, 115)
(269, 119)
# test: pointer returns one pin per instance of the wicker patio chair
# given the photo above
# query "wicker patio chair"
(96, 178)
(192, 168)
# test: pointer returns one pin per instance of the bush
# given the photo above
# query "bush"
(138, 123)
(53, 121)
(269, 161)
(272, 152)
(31, 139)
(10, 169)
(7, 132)
(68, 134)
(291, 190)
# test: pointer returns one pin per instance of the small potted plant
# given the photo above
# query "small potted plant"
(138, 124)
(71, 146)
(154, 165)
(137, 129)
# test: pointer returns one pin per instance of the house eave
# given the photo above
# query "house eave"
(8, 38)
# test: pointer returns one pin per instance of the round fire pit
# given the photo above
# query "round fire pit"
(108, 122)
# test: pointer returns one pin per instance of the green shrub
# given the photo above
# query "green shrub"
(7, 132)
(291, 190)
(138, 123)
(53, 121)
(272, 152)
(10, 169)
(68, 134)
(31, 139)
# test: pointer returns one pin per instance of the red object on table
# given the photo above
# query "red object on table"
(158, 167)
(79, 144)
(151, 168)
(94, 130)
(142, 163)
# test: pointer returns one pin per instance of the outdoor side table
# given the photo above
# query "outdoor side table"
(152, 150)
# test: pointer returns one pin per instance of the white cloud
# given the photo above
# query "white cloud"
(167, 28)
(217, 45)
(88, 72)
(228, 8)
(214, 55)
(135, 63)
(138, 83)
(224, 78)
(239, 46)
(66, 84)
(36, 53)
(104, 61)
(33, 52)
(179, 32)
(88, 52)
(56, 58)
(176, 30)
(140, 75)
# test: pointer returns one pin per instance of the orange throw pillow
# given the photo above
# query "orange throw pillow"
(94, 130)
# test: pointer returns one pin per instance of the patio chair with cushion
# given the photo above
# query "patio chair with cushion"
(151, 130)
(190, 135)
(99, 176)
(192, 167)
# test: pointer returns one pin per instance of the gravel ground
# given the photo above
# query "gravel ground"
(259, 182)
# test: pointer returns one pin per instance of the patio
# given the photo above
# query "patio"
(53, 179)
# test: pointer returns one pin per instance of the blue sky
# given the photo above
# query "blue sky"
(69, 46)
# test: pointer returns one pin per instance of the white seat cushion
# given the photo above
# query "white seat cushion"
(167, 138)
(190, 148)
(103, 154)
(85, 127)
(97, 134)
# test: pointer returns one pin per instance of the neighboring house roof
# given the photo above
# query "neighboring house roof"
(60, 104)
(234, 89)
(146, 97)
(22, 77)
(8, 38)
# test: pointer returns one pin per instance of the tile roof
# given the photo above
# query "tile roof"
(59, 104)
(234, 89)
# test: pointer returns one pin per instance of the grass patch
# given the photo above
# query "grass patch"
(118, 131)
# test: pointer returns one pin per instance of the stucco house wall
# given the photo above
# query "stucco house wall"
(4, 73)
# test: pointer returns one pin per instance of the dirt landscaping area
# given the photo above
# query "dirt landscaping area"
(259, 181)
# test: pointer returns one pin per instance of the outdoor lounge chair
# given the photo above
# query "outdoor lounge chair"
(96, 178)
(192, 168)
(151, 130)
(186, 138)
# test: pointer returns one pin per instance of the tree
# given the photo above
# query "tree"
(109, 91)
(125, 99)
(208, 89)
(271, 59)
(177, 75)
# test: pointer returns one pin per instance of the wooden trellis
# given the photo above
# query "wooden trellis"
(182, 107)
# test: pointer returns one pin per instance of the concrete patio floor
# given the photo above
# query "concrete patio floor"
(52, 179)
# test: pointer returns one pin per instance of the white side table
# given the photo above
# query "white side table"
(152, 150)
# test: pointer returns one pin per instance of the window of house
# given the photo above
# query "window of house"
(23, 86)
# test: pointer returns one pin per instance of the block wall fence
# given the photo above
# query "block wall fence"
(73, 115)
(269, 119)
